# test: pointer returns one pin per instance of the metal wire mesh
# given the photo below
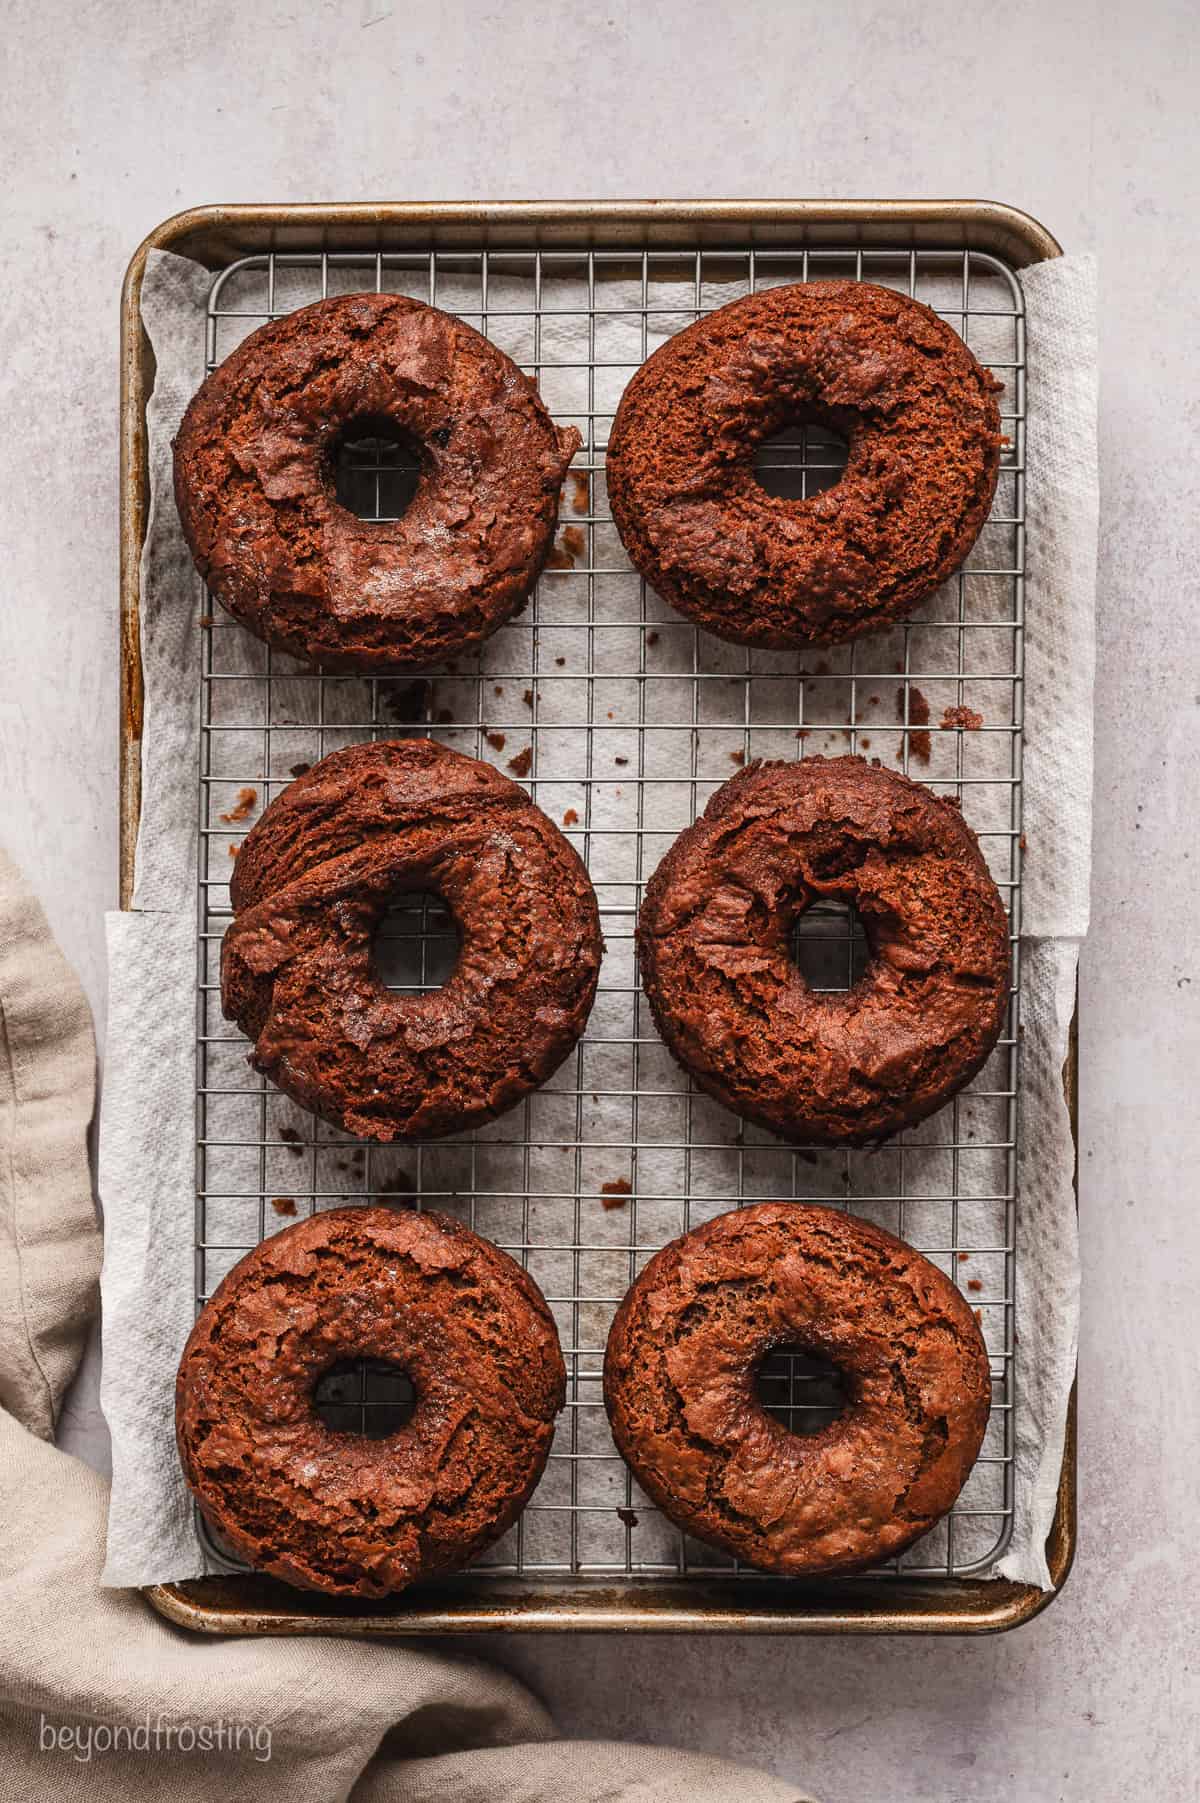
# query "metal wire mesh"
(623, 719)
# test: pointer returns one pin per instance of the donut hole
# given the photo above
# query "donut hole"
(415, 946)
(368, 1396)
(801, 1390)
(800, 460)
(829, 947)
(376, 467)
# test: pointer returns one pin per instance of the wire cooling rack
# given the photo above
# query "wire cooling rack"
(622, 720)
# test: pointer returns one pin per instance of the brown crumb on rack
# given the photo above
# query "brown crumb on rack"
(560, 661)
(975, 1283)
(570, 544)
(963, 1257)
(865, 742)
(612, 1195)
(570, 818)
(233, 848)
(242, 807)
(872, 701)
(495, 740)
(621, 761)
(404, 702)
(918, 707)
(581, 485)
(206, 620)
(522, 764)
(802, 732)
(964, 717)
(498, 689)
(1022, 844)
(300, 769)
(652, 638)
(737, 756)
(527, 698)
(291, 1139)
(628, 1517)
(284, 1205)
(978, 1314)
(919, 742)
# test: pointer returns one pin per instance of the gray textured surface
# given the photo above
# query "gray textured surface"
(1080, 114)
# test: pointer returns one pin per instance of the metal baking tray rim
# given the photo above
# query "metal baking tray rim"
(212, 235)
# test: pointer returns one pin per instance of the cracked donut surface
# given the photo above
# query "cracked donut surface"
(838, 1068)
(255, 483)
(922, 426)
(312, 882)
(679, 1377)
(340, 1512)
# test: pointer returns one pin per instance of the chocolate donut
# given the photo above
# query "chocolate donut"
(923, 430)
(254, 483)
(339, 1511)
(679, 1376)
(827, 1069)
(314, 878)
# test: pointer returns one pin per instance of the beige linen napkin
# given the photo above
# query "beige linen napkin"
(99, 1698)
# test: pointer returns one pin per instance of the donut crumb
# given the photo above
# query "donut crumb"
(920, 745)
(242, 806)
(522, 764)
(628, 1517)
(581, 484)
(613, 1195)
(918, 706)
(284, 1205)
(963, 717)
(291, 1139)
(652, 638)
(974, 1283)
(495, 740)
(738, 757)
(233, 848)
(570, 818)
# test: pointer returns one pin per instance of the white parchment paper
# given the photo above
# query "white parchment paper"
(147, 1167)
